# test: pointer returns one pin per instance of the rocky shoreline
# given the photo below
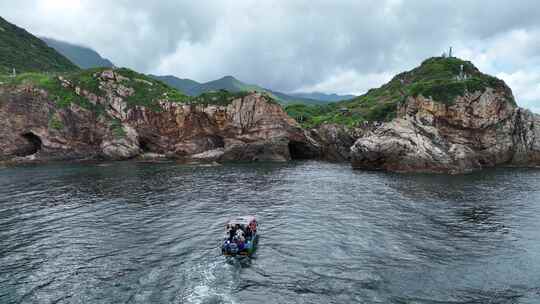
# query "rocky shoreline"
(479, 130)
(250, 128)
(443, 116)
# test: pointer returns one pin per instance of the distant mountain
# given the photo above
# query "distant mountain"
(323, 96)
(185, 85)
(289, 99)
(25, 52)
(230, 84)
(194, 88)
(82, 56)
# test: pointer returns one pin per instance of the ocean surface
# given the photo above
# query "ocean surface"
(132, 232)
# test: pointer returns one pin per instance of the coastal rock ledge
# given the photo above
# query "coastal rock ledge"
(34, 127)
(477, 130)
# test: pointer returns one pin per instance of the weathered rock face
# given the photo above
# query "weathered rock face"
(335, 141)
(479, 130)
(248, 129)
(27, 128)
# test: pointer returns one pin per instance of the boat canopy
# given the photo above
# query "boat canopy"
(242, 220)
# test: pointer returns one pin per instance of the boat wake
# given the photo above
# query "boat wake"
(212, 283)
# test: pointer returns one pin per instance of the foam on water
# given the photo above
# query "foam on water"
(210, 283)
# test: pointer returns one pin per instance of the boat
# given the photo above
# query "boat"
(236, 245)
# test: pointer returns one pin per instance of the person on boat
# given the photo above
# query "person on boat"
(253, 226)
(248, 233)
(232, 233)
(228, 231)
(240, 238)
(240, 234)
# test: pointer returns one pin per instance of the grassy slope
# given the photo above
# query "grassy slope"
(26, 53)
(147, 91)
(436, 78)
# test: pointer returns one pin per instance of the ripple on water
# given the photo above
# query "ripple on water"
(149, 233)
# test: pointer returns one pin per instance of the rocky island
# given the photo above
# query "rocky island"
(456, 122)
(444, 116)
(480, 129)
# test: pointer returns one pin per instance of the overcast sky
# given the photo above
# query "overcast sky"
(341, 46)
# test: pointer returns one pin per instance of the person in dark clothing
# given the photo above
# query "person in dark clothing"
(232, 233)
(227, 231)
(248, 233)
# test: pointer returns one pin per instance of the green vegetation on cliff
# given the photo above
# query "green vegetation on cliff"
(117, 129)
(50, 82)
(139, 89)
(56, 123)
(439, 78)
(442, 79)
(24, 52)
(221, 97)
(148, 91)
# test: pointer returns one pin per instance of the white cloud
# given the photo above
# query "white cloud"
(526, 85)
(348, 82)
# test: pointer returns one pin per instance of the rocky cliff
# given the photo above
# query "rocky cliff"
(447, 120)
(479, 129)
(114, 120)
(334, 141)
(442, 116)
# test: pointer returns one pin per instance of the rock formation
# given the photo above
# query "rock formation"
(105, 115)
(249, 128)
(478, 130)
(335, 141)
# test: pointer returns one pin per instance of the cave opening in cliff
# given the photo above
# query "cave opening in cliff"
(299, 151)
(144, 146)
(33, 144)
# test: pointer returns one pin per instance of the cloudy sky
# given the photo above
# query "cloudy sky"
(342, 46)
